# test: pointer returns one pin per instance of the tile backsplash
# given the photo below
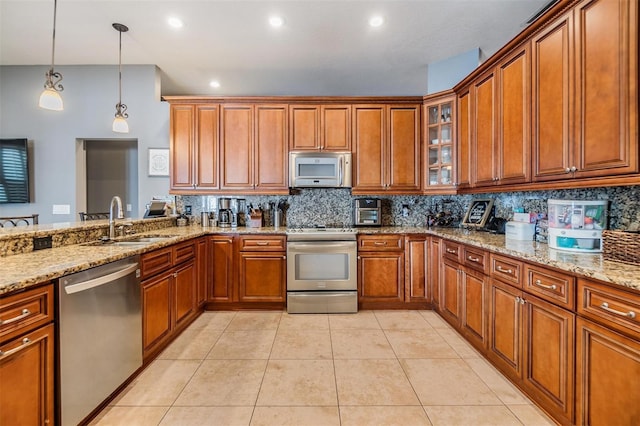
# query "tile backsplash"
(334, 206)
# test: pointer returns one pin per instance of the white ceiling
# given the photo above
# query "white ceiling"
(324, 47)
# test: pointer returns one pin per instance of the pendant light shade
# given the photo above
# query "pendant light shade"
(50, 97)
(120, 124)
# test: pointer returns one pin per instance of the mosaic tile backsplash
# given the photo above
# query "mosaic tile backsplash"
(310, 207)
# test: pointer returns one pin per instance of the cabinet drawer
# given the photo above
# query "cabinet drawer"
(451, 250)
(262, 243)
(156, 262)
(552, 286)
(380, 242)
(22, 312)
(184, 251)
(475, 258)
(506, 269)
(618, 308)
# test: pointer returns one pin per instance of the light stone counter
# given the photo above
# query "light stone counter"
(23, 270)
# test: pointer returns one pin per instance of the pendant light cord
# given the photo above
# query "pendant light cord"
(120, 70)
(53, 42)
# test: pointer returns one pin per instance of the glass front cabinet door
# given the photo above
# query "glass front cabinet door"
(439, 143)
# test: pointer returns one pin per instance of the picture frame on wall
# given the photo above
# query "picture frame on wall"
(158, 161)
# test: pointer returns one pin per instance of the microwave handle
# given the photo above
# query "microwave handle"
(340, 172)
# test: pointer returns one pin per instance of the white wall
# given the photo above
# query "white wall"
(90, 95)
(445, 74)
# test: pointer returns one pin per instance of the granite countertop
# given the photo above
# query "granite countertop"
(22, 270)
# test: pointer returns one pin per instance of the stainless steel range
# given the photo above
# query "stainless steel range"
(321, 270)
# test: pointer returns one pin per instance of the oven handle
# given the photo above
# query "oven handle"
(320, 246)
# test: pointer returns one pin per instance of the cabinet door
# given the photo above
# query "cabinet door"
(504, 346)
(552, 94)
(27, 379)
(202, 259)
(549, 355)
(206, 147)
(236, 147)
(416, 289)
(335, 124)
(474, 307)
(156, 311)
(220, 269)
(514, 143)
(463, 139)
(606, 116)
(483, 145)
(450, 305)
(304, 127)
(369, 147)
(263, 277)
(381, 277)
(403, 148)
(433, 270)
(184, 293)
(181, 142)
(607, 371)
(271, 162)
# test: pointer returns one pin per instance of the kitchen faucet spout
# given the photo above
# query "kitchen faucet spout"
(117, 201)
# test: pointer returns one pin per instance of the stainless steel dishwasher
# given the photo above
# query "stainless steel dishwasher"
(100, 335)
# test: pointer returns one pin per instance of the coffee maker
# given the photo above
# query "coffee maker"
(225, 215)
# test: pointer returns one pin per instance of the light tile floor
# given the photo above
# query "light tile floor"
(370, 368)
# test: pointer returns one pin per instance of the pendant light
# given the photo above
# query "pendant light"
(120, 124)
(50, 97)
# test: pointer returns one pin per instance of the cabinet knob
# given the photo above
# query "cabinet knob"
(573, 169)
(25, 343)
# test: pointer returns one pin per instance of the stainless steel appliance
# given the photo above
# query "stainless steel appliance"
(100, 335)
(225, 214)
(321, 270)
(319, 169)
(367, 212)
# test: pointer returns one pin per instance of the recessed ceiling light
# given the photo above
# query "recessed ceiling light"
(376, 21)
(175, 22)
(276, 21)
(215, 84)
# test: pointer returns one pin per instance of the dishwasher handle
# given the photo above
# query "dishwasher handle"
(96, 282)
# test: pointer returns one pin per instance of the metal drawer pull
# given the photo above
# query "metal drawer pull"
(507, 271)
(629, 314)
(380, 243)
(25, 313)
(262, 243)
(473, 259)
(25, 343)
(452, 251)
(550, 287)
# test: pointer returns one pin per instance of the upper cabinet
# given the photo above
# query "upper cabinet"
(386, 147)
(194, 147)
(320, 127)
(439, 144)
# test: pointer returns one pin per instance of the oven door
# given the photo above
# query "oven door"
(321, 265)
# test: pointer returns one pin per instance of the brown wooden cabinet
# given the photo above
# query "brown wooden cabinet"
(253, 148)
(320, 127)
(585, 74)
(434, 270)
(380, 270)
(27, 353)
(202, 260)
(262, 267)
(193, 144)
(221, 268)
(484, 140)
(439, 158)
(450, 304)
(386, 148)
(169, 294)
(416, 269)
(463, 139)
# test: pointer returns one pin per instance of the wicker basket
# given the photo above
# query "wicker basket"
(621, 246)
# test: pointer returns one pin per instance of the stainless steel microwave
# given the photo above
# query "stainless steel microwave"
(319, 169)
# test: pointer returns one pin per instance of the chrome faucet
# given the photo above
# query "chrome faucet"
(120, 215)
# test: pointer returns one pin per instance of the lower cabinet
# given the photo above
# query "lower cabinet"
(434, 270)
(202, 272)
(450, 306)
(262, 277)
(220, 273)
(169, 297)
(380, 270)
(27, 358)
(532, 341)
(416, 268)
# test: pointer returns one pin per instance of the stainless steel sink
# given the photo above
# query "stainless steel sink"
(131, 241)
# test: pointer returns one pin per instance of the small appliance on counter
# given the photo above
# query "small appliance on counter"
(576, 225)
(225, 214)
(367, 212)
